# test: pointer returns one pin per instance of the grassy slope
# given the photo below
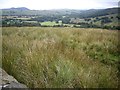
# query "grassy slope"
(98, 22)
(61, 57)
(113, 23)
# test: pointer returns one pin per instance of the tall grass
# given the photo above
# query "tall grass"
(61, 57)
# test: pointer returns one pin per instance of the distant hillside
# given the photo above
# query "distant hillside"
(20, 8)
(68, 12)
(99, 12)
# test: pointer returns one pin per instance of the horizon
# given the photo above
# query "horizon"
(56, 9)
(60, 8)
(61, 4)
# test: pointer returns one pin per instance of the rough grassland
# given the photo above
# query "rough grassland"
(61, 57)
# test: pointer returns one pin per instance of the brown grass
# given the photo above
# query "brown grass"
(61, 57)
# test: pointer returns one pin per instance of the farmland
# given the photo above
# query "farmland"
(61, 57)
(98, 18)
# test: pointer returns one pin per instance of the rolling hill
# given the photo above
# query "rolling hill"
(69, 12)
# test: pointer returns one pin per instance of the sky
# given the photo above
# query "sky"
(59, 4)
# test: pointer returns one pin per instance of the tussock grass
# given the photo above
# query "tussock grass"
(61, 57)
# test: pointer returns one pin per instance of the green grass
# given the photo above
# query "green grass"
(23, 18)
(31, 21)
(49, 23)
(61, 57)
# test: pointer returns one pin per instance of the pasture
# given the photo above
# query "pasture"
(62, 57)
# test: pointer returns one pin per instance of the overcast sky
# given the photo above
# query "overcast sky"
(59, 4)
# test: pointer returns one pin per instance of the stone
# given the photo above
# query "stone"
(7, 81)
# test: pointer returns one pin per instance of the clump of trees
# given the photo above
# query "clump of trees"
(65, 20)
(18, 23)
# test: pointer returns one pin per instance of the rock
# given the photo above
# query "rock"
(14, 84)
(7, 81)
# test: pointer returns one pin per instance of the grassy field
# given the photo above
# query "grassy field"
(61, 57)
(49, 23)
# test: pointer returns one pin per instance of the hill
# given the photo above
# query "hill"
(69, 12)
(99, 12)
(20, 8)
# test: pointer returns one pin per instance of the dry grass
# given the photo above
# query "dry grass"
(61, 57)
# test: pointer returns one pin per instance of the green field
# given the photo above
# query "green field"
(49, 23)
(31, 21)
(47, 57)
